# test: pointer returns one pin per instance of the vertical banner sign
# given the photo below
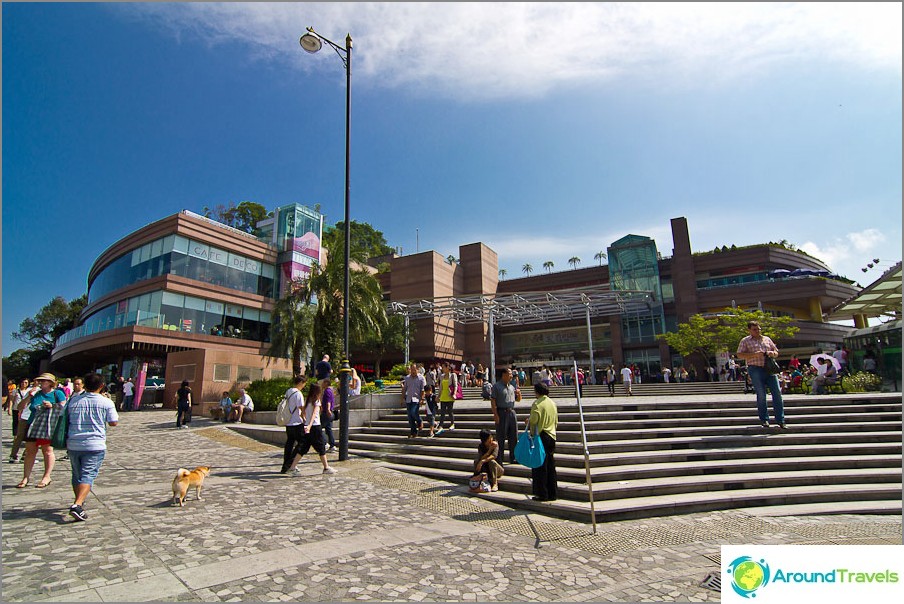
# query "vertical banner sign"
(139, 387)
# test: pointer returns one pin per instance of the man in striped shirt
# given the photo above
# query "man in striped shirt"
(89, 414)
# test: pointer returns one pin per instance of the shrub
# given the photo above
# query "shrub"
(266, 394)
(862, 381)
(397, 372)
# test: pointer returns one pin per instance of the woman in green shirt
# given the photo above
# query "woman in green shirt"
(544, 417)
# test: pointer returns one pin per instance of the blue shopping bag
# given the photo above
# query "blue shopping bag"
(529, 450)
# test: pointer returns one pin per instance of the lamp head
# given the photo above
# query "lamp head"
(310, 42)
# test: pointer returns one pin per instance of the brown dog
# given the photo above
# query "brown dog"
(185, 479)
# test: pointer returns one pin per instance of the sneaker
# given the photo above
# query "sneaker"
(783, 426)
(451, 426)
(329, 470)
(13, 458)
(296, 472)
(494, 488)
(332, 449)
(764, 424)
(440, 431)
(77, 512)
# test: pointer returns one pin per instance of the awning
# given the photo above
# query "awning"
(880, 298)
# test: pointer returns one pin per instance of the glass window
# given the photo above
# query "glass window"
(221, 373)
(233, 322)
(213, 316)
(249, 374)
(156, 248)
(193, 315)
(180, 244)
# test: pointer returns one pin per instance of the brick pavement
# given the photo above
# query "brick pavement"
(367, 533)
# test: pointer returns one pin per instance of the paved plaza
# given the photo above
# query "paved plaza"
(366, 533)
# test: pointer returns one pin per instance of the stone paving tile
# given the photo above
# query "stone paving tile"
(137, 542)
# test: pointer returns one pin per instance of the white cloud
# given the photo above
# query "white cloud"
(848, 254)
(503, 50)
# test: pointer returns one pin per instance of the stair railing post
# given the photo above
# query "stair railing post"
(586, 453)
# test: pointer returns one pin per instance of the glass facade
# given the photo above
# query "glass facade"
(177, 312)
(177, 255)
(634, 265)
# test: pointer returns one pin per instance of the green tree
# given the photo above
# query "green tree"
(391, 338)
(601, 255)
(367, 242)
(23, 363)
(243, 216)
(56, 318)
(502, 273)
(527, 269)
(708, 335)
(292, 326)
(367, 314)
(548, 265)
(451, 259)
(574, 261)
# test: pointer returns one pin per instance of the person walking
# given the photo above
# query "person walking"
(626, 376)
(502, 400)
(543, 420)
(44, 408)
(448, 386)
(183, 400)
(327, 413)
(754, 349)
(294, 427)
(610, 380)
(413, 386)
(89, 414)
(20, 399)
(312, 432)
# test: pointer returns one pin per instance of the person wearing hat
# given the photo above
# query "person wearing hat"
(39, 412)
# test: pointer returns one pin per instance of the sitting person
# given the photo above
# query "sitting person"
(796, 379)
(241, 405)
(487, 452)
(225, 406)
(828, 377)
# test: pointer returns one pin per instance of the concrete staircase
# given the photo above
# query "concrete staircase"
(666, 455)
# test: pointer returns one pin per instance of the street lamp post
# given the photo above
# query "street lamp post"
(313, 42)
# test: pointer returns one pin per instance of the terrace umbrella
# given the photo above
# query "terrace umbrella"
(815, 362)
(779, 272)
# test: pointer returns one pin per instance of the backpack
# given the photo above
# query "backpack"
(283, 413)
(487, 391)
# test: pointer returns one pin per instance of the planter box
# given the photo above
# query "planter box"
(362, 410)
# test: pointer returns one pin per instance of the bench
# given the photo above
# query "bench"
(217, 414)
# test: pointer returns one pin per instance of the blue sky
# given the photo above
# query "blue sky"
(544, 130)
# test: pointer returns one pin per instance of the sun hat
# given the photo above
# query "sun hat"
(46, 376)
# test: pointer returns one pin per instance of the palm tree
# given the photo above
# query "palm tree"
(600, 256)
(574, 261)
(548, 265)
(527, 269)
(367, 314)
(292, 326)
(502, 273)
(451, 259)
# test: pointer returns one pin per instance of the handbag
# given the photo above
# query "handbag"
(770, 365)
(479, 483)
(529, 450)
(60, 431)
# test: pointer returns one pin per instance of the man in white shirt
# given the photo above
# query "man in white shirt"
(626, 375)
(242, 404)
(128, 391)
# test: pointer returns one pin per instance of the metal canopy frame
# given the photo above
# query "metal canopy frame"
(880, 298)
(526, 308)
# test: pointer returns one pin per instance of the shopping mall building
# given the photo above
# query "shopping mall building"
(192, 299)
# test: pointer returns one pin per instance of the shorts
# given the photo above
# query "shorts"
(85, 465)
(313, 439)
(41, 442)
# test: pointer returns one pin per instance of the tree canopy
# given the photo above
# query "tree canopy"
(708, 335)
(367, 242)
(243, 216)
(56, 318)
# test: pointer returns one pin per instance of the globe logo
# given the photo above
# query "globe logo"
(748, 575)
